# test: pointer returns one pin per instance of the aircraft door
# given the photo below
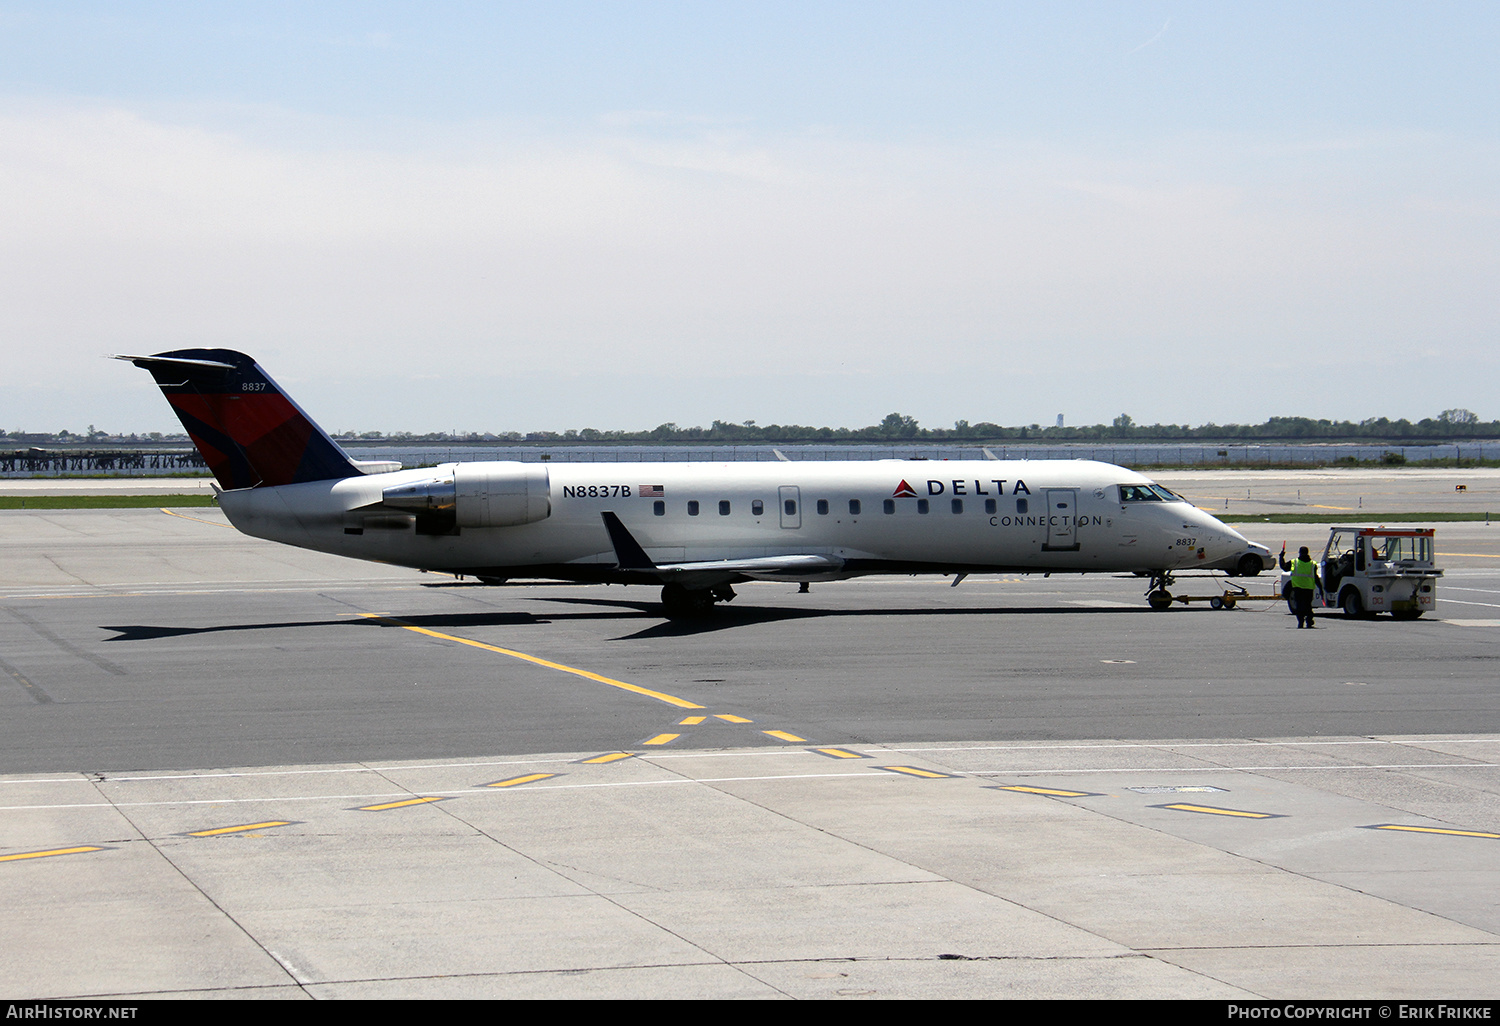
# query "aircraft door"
(791, 505)
(1062, 516)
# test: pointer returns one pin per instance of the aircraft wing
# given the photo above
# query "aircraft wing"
(630, 556)
(766, 567)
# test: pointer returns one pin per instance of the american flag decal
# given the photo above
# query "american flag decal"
(651, 491)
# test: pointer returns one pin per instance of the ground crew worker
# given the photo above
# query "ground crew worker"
(1304, 580)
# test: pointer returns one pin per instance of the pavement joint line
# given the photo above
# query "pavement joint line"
(1211, 768)
(378, 769)
(1025, 771)
(681, 703)
(468, 791)
(1167, 746)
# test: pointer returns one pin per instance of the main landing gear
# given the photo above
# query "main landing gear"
(680, 603)
(1157, 595)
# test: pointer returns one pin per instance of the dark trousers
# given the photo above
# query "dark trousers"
(1303, 598)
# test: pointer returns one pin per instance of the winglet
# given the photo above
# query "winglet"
(628, 552)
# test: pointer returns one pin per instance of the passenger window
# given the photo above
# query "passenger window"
(659, 508)
(757, 508)
(693, 507)
(854, 506)
(791, 507)
(989, 505)
(723, 507)
(1020, 505)
(822, 507)
(958, 505)
(923, 506)
(890, 505)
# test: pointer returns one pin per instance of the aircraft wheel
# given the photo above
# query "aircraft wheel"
(1353, 608)
(1159, 599)
(1249, 565)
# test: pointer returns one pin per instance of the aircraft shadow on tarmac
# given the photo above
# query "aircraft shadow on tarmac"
(721, 618)
(728, 617)
(454, 621)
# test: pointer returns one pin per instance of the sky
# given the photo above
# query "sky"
(540, 216)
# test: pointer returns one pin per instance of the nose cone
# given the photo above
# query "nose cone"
(1226, 541)
(1215, 540)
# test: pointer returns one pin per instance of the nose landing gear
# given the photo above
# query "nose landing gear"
(1157, 595)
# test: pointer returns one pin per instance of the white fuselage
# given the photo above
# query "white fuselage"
(871, 517)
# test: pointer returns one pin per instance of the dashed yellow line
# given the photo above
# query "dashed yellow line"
(839, 753)
(1472, 555)
(1438, 830)
(691, 721)
(1052, 792)
(1213, 811)
(607, 757)
(529, 778)
(48, 853)
(184, 516)
(731, 718)
(913, 771)
(782, 735)
(241, 828)
(662, 739)
(399, 805)
(681, 703)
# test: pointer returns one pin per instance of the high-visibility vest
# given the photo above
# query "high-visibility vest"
(1304, 573)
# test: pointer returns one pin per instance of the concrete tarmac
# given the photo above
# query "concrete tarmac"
(224, 777)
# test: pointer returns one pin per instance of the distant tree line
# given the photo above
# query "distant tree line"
(1450, 425)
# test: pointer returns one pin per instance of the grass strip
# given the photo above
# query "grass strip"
(101, 501)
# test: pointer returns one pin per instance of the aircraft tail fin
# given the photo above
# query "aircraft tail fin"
(246, 428)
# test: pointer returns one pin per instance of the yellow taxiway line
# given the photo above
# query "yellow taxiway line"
(681, 703)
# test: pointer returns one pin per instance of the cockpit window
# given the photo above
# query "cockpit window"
(1148, 493)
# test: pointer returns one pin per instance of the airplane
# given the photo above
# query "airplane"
(694, 529)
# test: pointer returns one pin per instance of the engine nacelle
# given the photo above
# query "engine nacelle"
(478, 495)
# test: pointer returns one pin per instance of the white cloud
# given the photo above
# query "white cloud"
(1174, 275)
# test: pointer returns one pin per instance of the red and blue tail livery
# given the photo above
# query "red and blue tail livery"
(246, 428)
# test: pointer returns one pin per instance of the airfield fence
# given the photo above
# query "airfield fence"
(124, 461)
